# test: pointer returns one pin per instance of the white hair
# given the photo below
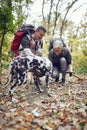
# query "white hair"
(58, 43)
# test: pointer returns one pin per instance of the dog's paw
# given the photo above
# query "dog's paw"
(14, 100)
(49, 95)
(41, 90)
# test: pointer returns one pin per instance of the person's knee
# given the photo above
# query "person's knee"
(63, 64)
(63, 60)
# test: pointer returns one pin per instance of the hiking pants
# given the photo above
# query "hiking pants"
(61, 68)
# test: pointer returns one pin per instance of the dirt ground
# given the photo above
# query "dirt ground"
(66, 109)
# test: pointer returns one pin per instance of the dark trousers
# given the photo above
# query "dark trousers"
(61, 68)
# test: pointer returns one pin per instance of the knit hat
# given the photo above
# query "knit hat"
(58, 43)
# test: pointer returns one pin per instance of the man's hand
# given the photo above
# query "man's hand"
(39, 52)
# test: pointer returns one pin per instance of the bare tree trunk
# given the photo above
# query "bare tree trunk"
(76, 33)
(49, 15)
(2, 41)
(60, 15)
(64, 19)
(43, 10)
(57, 14)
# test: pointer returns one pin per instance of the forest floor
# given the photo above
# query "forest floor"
(65, 110)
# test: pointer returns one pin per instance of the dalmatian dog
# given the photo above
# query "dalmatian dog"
(21, 65)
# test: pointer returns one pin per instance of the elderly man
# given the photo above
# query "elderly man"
(62, 61)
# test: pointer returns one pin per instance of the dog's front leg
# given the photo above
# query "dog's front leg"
(11, 91)
(47, 85)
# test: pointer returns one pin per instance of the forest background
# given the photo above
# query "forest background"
(56, 16)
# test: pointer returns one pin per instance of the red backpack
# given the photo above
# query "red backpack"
(24, 29)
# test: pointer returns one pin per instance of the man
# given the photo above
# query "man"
(32, 45)
(61, 60)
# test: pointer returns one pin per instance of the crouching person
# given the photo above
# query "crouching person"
(61, 60)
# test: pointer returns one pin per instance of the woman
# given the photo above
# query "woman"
(61, 59)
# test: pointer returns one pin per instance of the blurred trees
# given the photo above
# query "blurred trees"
(6, 22)
(12, 15)
(58, 15)
(57, 21)
(58, 24)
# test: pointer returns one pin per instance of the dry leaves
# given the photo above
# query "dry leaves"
(65, 110)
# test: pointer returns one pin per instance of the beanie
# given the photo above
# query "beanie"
(58, 43)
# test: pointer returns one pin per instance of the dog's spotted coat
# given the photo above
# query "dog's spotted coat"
(20, 66)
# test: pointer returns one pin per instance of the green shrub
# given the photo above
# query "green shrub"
(79, 62)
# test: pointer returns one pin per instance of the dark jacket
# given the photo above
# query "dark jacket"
(56, 58)
(28, 42)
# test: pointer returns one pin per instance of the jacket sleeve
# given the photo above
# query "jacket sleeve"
(68, 57)
(25, 42)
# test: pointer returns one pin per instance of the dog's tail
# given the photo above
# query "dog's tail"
(8, 81)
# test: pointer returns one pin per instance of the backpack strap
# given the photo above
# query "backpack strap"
(29, 37)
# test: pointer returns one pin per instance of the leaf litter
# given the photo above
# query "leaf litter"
(65, 110)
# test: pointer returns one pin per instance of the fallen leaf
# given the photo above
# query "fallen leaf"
(30, 117)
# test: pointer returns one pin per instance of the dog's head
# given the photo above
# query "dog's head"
(47, 63)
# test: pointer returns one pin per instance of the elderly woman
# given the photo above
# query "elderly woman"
(61, 59)
(53, 40)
